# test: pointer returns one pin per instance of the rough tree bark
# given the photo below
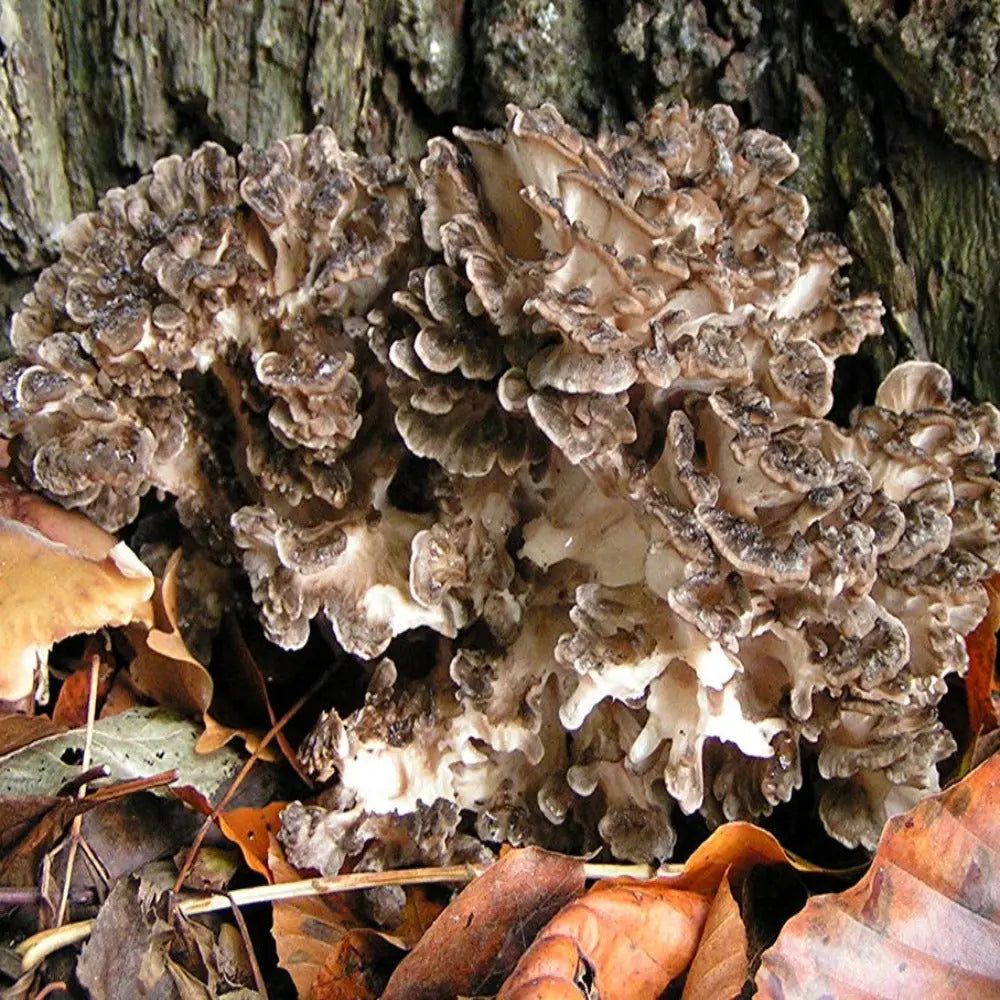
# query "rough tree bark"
(892, 105)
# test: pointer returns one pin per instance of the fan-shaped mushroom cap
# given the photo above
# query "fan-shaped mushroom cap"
(59, 576)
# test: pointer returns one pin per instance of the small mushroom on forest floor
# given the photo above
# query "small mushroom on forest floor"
(60, 575)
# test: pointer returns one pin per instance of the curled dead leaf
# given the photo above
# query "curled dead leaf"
(734, 848)
(163, 668)
(634, 937)
(719, 967)
(924, 921)
(476, 941)
(982, 686)
(322, 944)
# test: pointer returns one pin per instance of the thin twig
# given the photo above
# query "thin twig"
(324, 886)
(245, 655)
(258, 977)
(74, 836)
(20, 896)
(34, 949)
(237, 781)
(77, 781)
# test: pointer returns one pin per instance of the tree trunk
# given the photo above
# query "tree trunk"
(892, 105)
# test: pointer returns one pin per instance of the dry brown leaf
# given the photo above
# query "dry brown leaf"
(216, 736)
(122, 697)
(18, 730)
(322, 944)
(163, 668)
(635, 937)
(60, 575)
(31, 825)
(477, 940)
(734, 848)
(71, 706)
(140, 949)
(982, 687)
(637, 942)
(924, 921)
(419, 913)
(719, 968)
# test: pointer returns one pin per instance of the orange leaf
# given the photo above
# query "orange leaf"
(250, 830)
(348, 971)
(321, 943)
(982, 689)
(636, 937)
(71, 706)
(719, 968)
(479, 937)
(418, 914)
(734, 848)
(924, 921)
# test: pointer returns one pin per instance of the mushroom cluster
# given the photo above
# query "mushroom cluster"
(553, 414)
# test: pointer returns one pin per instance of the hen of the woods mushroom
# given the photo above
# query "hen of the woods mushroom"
(540, 436)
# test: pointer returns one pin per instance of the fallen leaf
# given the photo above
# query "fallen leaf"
(719, 967)
(322, 944)
(251, 831)
(923, 922)
(982, 687)
(734, 848)
(657, 923)
(134, 744)
(60, 575)
(419, 912)
(19, 730)
(138, 950)
(216, 736)
(163, 669)
(212, 870)
(31, 826)
(124, 695)
(245, 677)
(477, 940)
(131, 832)
(634, 937)
(74, 696)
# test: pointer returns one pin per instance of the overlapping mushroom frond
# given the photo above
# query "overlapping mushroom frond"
(568, 413)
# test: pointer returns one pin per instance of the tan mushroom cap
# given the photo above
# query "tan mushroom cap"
(60, 575)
